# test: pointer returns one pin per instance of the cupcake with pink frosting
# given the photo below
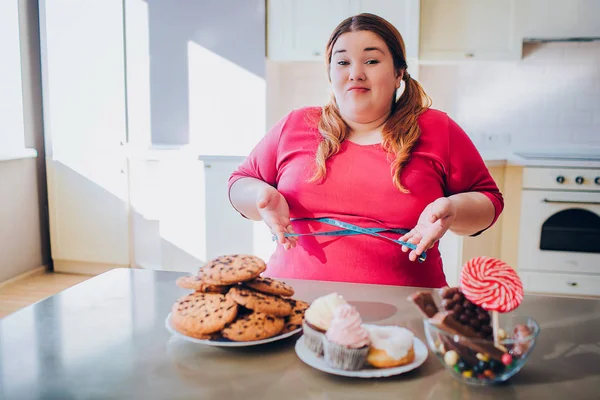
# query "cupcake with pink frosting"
(346, 343)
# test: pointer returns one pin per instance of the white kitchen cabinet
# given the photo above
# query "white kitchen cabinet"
(227, 232)
(552, 19)
(453, 30)
(85, 126)
(403, 14)
(182, 217)
(298, 30)
(571, 284)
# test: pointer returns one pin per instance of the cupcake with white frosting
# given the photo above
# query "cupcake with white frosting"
(346, 342)
(391, 346)
(317, 319)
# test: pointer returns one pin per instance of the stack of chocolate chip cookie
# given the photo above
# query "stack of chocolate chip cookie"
(233, 301)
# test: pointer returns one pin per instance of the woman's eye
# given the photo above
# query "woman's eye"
(372, 62)
(342, 62)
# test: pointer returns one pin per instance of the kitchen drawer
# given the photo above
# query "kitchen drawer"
(569, 284)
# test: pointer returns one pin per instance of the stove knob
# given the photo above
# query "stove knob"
(579, 180)
(560, 179)
(597, 180)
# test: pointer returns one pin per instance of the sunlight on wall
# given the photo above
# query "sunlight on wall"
(227, 104)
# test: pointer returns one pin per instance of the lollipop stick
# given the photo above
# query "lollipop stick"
(495, 326)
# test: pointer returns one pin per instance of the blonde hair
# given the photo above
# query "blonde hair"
(401, 131)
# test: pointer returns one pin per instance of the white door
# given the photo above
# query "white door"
(85, 127)
(12, 128)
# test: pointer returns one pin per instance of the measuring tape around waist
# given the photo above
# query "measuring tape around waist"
(350, 229)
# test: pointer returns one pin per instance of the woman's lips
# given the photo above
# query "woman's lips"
(357, 89)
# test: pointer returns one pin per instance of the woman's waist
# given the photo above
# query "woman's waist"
(320, 222)
(357, 247)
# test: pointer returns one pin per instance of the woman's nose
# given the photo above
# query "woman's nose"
(357, 72)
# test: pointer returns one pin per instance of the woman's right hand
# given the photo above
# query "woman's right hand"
(275, 212)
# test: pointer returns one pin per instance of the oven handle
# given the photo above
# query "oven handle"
(591, 203)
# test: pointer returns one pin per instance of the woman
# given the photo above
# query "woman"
(373, 157)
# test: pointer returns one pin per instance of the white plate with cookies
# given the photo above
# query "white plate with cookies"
(224, 342)
(232, 305)
(318, 362)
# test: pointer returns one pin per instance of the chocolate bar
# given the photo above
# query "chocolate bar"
(424, 301)
(447, 323)
(461, 350)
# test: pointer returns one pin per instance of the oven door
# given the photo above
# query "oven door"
(560, 231)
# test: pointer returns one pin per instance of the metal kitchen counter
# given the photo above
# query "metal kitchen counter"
(105, 339)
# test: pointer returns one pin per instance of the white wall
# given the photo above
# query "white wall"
(292, 85)
(551, 96)
(188, 67)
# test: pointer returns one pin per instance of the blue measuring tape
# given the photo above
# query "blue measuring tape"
(350, 229)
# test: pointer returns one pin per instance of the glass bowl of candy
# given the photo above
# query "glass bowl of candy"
(479, 361)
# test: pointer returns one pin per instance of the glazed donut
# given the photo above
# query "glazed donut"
(391, 346)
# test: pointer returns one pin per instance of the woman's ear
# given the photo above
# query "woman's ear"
(399, 76)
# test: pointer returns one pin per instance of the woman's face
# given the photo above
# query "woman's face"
(363, 76)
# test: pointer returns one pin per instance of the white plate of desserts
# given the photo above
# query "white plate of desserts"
(318, 362)
(224, 342)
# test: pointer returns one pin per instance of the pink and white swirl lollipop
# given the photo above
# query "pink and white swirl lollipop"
(491, 284)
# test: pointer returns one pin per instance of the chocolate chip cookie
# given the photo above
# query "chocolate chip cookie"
(253, 326)
(260, 302)
(199, 285)
(294, 320)
(227, 270)
(270, 286)
(201, 314)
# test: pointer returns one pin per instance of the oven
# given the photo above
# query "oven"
(559, 232)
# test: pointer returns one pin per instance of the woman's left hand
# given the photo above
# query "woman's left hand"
(433, 223)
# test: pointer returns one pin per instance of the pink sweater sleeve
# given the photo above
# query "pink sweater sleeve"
(467, 171)
(262, 162)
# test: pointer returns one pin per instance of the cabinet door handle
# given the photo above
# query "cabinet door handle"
(316, 53)
(469, 55)
(572, 284)
(591, 203)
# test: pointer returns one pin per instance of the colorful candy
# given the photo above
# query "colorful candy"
(507, 359)
(491, 284)
(451, 358)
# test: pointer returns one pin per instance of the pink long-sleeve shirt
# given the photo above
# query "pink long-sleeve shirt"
(359, 190)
